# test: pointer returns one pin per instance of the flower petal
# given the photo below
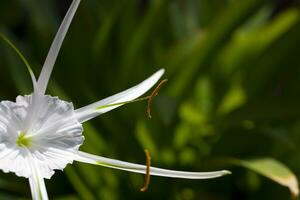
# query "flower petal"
(100, 107)
(38, 189)
(37, 184)
(55, 47)
(137, 168)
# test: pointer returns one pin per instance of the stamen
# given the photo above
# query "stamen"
(147, 175)
(154, 94)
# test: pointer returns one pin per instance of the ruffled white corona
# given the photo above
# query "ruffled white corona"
(40, 133)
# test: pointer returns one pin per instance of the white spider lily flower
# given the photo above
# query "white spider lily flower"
(40, 133)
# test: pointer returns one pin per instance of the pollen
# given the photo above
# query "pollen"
(23, 141)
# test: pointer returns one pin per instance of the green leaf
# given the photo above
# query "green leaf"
(5, 39)
(235, 98)
(79, 184)
(201, 56)
(21, 56)
(141, 36)
(273, 170)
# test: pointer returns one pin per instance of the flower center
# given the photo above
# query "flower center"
(23, 141)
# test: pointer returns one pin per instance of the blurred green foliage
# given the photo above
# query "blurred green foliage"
(233, 68)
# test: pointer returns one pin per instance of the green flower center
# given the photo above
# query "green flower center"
(23, 141)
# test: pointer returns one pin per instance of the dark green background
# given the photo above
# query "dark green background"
(233, 92)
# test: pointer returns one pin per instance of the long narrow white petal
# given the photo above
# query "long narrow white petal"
(38, 189)
(137, 168)
(55, 47)
(37, 183)
(100, 107)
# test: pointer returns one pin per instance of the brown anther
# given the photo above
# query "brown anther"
(147, 175)
(154, 94)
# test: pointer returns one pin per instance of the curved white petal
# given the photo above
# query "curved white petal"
(55, 47)
(137, 168)
(85, 113)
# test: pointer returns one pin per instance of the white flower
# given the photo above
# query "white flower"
(40, 133)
